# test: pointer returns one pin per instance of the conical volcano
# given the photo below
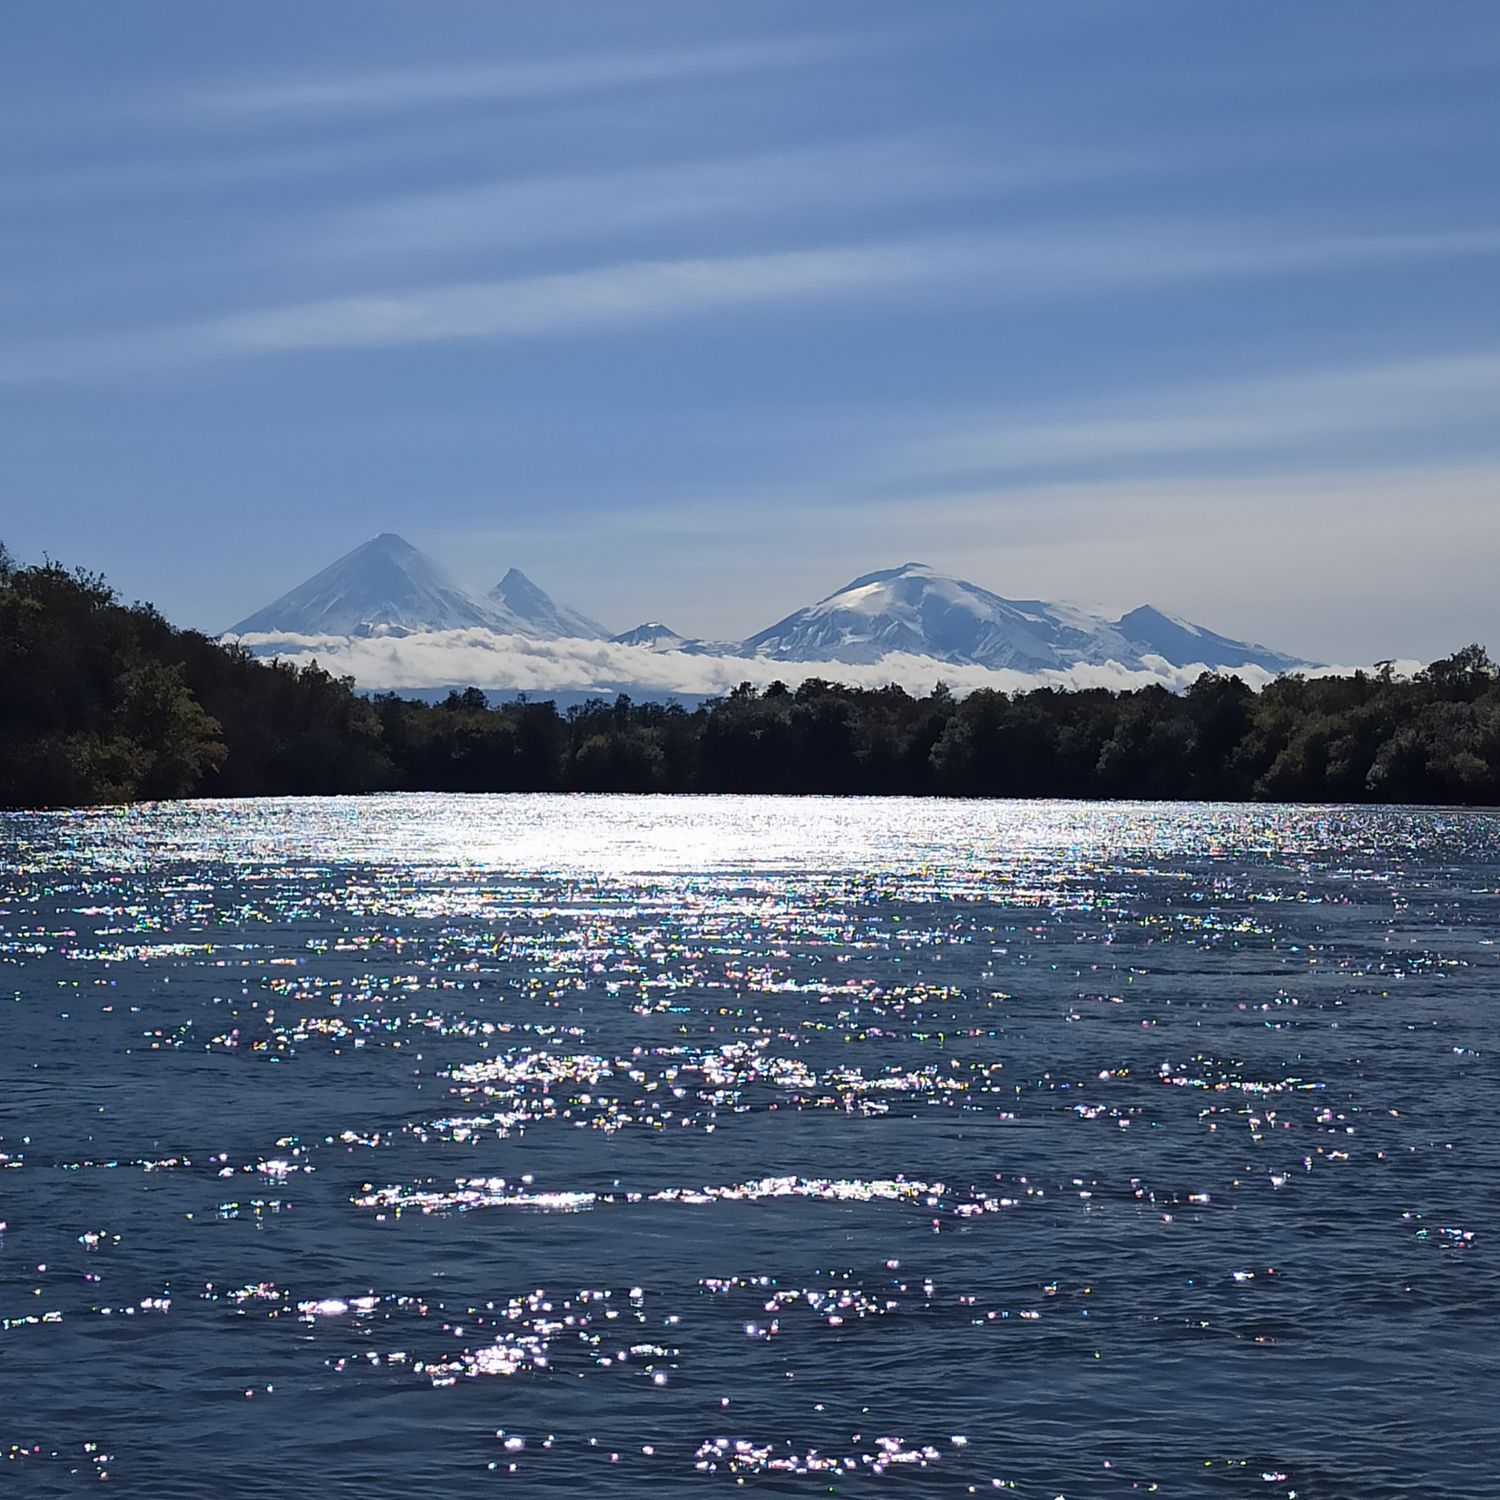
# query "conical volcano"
(385, 586)
(538, 613)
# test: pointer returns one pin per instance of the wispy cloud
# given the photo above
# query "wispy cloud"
(1237, 416)
(630, 294)
(195, 164)
(612, 296)
(586, 205)
(526, 79)
(1016, 264)
(1044, 262)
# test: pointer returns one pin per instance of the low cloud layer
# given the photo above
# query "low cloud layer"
(446, 658)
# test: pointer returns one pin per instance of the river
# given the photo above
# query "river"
(627, 1146)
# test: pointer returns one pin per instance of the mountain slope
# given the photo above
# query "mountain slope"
(654, 634)
(538, 614)
(385, 586)
(915, 609)
(388, 588)
(1182, 643)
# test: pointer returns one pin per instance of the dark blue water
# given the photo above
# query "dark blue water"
(634, 1146)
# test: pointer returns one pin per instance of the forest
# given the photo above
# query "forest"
(104, 702)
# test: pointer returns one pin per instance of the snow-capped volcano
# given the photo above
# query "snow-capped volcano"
(383, 587)
(538, 614)
(654, 634)
(917, 610)
(388, 587)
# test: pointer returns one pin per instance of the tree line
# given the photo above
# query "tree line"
(105, 702)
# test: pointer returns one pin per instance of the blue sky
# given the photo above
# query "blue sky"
(694, 312)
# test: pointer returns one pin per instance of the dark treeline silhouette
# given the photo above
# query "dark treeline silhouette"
(106, 702)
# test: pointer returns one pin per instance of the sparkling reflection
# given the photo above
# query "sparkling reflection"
(612, 1143)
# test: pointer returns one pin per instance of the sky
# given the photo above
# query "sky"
(696, 312)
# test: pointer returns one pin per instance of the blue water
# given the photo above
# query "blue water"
(599, 1145)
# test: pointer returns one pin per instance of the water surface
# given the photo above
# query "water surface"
(614, 1145)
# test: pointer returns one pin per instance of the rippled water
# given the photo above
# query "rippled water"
(620, 1146)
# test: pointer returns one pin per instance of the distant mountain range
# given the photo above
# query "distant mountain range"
(388, 588)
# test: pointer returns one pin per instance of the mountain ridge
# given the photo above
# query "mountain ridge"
(524, 602)
(916, 609)
(383, 586)
(387, 587)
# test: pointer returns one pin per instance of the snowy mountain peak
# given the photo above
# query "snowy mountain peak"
(655, 636)
(1149, 617)
(915, 609)
(653, 633)
(536, 613)
(885, 575)
(912, 609)
(517, 588)
(1182, 642)
(385, 586)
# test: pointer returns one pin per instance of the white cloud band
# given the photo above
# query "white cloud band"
(448, 658)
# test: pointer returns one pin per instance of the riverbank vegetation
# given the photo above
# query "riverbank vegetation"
(106, 702)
